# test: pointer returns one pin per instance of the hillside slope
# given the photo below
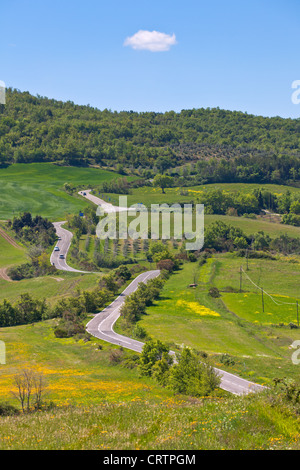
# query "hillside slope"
(221, 145)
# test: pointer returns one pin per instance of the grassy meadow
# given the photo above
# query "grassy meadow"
(232, 423)
(234, 323)
(76, 372)
(9, 254)
(102, 405)
(52, 288)
(148, 195)
(38, 188)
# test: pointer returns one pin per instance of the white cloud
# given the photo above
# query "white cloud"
(153, 41)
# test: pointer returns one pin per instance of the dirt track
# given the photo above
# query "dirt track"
(3, 234)
(8, 238)
(4, 276)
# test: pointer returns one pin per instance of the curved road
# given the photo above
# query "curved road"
(100, 202)
(101, 325)
(63, 244)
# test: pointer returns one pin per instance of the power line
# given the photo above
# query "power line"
(269, 295)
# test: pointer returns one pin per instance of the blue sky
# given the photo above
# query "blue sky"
(238, 55)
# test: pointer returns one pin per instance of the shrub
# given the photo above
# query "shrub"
(214, 292)
(165, 264)
(227, 360)
(60, 332)
(192, 375)
(116, 356)
(70, 325)
(7, 410)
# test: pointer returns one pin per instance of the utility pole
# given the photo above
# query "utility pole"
(241, 278)
(297, 314)
(262, 299)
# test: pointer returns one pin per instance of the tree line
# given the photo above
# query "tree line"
(70, 311)
(222, 237)
(38, 234)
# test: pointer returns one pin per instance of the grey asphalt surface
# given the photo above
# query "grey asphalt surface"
(63, 245)
(101, 325)
(100, 202)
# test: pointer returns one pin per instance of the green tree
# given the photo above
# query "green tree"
(192, 375)
(163, 181)
(153, 351)
(295, 207)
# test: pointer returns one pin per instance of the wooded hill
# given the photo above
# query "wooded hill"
(217, 145)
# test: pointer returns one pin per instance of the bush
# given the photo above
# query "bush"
(227, 360)
(140, 332)
(70, 325)
(192, 375)
(214, 292)
(116, 356)
(8, 410)
(165, 264)
(60, 332)
(23, 271)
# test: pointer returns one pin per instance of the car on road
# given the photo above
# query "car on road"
(61, 256)
(56, 248)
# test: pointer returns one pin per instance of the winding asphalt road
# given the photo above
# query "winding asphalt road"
(100, 202)
(63, 244)
(101, 325)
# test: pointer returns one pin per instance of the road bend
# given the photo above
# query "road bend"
(102, 324)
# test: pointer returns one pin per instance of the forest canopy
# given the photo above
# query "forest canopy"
(220, 145)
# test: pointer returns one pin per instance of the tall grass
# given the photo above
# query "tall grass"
(175, 424)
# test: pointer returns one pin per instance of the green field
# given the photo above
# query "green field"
(103, 405)
(251, 226)
(150, 195)
(279, 276)
(229, 324)
(144, 424)
(52, 288)
(277, 304)
(38, 188)
(9, 254)
(77, 372)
